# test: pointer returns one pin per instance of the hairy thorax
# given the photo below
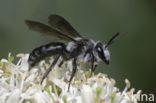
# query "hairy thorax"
(83, 49)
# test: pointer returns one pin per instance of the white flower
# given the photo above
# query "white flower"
(19, 85)
(87, 93)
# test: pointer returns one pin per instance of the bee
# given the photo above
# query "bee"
(77, 48)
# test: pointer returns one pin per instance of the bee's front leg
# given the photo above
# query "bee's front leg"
(93, 65)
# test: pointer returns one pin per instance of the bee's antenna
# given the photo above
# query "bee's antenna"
(114, 38)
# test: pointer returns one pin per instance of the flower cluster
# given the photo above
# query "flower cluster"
(19, 85)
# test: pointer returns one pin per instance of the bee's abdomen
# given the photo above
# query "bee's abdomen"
(44, 51)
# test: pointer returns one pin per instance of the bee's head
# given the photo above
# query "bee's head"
(102, 50)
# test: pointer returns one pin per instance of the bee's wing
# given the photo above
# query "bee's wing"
(46, 30)
(63, 25)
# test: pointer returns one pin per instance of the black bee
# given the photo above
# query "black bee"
(78, 48)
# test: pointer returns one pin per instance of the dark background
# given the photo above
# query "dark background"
(132, 57)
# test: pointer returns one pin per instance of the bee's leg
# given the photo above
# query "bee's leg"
(73, 72)
(92, 69)
(61, 63)
(50, 68)
(93, 66)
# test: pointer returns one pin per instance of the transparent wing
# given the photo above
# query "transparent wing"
(46, 30)
(63, 25)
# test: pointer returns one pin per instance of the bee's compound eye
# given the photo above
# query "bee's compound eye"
(102, 53)
(99, 49)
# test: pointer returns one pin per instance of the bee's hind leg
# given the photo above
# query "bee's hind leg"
(50, 68)
(61, 63)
